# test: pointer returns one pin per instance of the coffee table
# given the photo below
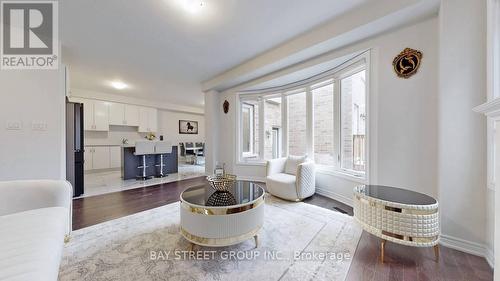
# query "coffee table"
(401, 216)
(214, 218)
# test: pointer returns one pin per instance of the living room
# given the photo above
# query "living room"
(222, 140)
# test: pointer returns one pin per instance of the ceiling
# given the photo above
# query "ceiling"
(164, 52)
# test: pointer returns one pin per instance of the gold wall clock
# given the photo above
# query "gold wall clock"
(407, 62)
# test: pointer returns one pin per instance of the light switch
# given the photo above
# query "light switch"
(38, 126)
(14, 125)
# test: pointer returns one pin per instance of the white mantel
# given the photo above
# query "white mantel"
(491, 109)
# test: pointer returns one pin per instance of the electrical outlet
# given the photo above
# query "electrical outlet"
(14, 125)
(38, 126)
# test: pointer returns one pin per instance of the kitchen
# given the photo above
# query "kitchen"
(110, 127)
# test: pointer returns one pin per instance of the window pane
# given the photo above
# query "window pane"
(297, 124)
(324, 125)
(272, 128)
(246, 125)
(250, 129)
(353, 116)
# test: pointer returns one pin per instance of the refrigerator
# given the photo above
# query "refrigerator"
(74, 147)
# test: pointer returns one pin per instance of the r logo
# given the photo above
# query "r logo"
(27, 28)
(29, 34)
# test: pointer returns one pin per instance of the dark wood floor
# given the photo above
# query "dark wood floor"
(401, 262)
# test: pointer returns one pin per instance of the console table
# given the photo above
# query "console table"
(398, 215)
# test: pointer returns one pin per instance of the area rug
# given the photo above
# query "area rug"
(298, 241)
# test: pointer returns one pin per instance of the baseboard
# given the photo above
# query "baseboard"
(490, 257)
(334, 196)
(468, 247)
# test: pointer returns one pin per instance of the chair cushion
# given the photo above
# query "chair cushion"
(292, 162)
(31, 244)
(282, 185)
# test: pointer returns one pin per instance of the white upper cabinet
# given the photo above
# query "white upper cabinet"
(101, 116)
(116, 114)
(148, 120)
(123, 114)
(88, 115)
(132, 115)
(95, 115)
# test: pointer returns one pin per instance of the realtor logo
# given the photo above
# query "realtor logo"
(29, 35)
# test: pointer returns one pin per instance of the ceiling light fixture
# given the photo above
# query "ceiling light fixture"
(193, 6)
(119, 85)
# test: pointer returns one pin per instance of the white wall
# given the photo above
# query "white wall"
(168, 121)
(423, 133)
(462, 133)
(403, 117)
(168, 126)
(27, 96)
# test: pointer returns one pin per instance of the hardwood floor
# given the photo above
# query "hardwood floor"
(92, 210)
(401, 262)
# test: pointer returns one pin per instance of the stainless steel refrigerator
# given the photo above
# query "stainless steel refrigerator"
(74, 147)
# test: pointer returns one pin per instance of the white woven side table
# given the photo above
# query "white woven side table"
(398, 215)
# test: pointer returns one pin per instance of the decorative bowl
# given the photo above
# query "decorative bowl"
(221, 183)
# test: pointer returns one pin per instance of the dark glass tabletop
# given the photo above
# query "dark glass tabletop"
(242, 192)
(397, 195)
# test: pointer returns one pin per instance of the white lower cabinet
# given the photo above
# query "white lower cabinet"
(87, 157)
(115, 157)
(102, 157)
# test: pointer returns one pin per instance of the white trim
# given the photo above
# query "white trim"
(76, 95)
(251, 163)
(322, 169)
(490, 257)
(335, 196)
(252, 178)
(490, 108)
(469, 247)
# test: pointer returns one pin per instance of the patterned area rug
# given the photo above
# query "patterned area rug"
(297, 242)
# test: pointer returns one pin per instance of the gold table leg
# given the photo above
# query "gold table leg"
(436, 252)
(382, 250)
(256, 238)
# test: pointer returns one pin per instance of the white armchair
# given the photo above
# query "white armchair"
(291, 178)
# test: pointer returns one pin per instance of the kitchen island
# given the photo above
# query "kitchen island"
(131, 162)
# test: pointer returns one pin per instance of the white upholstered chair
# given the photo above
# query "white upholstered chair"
(291, 178)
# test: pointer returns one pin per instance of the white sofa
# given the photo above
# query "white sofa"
(291, 178)
(35, 219)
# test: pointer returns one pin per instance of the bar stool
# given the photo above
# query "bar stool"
(162, 147)
(143, 148)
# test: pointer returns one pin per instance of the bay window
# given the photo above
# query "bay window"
(297, 137)
(324, 117)
(250, 129)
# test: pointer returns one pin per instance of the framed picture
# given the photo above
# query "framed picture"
(188, 127)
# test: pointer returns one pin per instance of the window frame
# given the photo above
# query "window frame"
(358, 63)
(251, 109)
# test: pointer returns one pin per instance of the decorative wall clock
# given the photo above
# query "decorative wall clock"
(225, 106)
(407, 62)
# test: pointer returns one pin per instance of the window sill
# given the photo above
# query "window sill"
(251, 163)
(340, 174)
